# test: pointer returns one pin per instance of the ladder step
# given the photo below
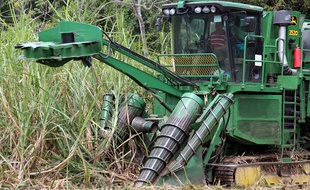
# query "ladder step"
(289, 130)
(289, 117)
(291, 103)
(289, 111)
(291, 99)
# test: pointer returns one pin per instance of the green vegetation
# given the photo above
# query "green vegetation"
(269, 5)
(49, 116)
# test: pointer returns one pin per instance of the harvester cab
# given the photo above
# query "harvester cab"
(230, 101)
(216, 32)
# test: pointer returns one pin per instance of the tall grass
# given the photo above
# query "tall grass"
(49, 116)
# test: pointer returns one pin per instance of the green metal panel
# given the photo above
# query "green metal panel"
(288, 82)
(193, 173)
(79, 31)
(160, 110)
(257, 118)
(68, 40)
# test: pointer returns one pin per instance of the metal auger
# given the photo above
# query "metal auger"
(106, 113)
(203, 131)
(172, 136)
(133, 107)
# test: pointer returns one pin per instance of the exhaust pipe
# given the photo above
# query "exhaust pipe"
(172, 136)
(282, 18)
(281, 52)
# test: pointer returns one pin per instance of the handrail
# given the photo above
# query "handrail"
(263, 61)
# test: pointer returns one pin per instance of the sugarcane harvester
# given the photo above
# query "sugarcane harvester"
(230, 106)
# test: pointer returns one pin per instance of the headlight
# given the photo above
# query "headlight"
(206, 9)
(198, 10)
(213, 9)
(172, 11)
(166, 12)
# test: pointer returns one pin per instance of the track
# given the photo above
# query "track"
(239, 170)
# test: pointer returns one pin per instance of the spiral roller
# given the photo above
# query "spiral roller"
(172, 136)
(203, 131)
(128, 110)
(106, 113)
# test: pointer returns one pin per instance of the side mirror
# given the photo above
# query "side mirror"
(249, 24)
(158, 23)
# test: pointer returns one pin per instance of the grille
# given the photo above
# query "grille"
(194, 65)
